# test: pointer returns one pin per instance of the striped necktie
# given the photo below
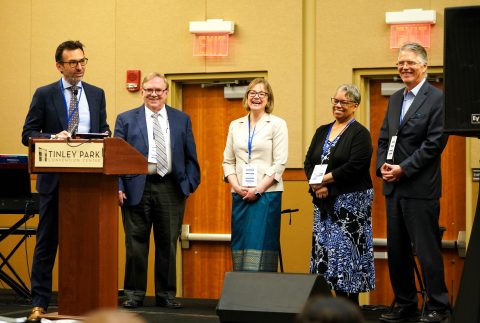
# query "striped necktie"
(161, 149)
(73, 110)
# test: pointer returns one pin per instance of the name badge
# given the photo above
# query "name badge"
(249, 175)
(391, 148)
(318, 173)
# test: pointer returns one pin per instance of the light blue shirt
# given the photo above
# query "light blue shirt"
(408, 97)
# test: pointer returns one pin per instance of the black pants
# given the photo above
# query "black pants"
(414, 222)
(45, 249)
(162, 207)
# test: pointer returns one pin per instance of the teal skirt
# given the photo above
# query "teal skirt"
(256, 232)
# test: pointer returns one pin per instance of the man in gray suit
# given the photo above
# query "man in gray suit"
(49, 117)
(410, 145)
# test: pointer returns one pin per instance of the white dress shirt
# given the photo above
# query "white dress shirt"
(152, 151)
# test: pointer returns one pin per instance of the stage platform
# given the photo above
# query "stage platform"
(195, 311)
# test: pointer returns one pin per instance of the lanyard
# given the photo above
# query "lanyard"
(69, 116)
(325, 144)
(250, 139)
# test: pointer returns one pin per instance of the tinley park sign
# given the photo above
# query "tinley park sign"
(68, 154)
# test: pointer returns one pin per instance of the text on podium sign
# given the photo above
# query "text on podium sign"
(66, 154)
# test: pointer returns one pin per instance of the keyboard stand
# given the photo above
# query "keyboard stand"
(14, 280)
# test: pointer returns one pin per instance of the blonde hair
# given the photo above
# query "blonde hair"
(268, 89)
(153, 75)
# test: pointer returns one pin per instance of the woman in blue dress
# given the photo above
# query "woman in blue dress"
(337, 165)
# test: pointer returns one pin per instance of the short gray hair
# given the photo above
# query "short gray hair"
(417, 49)
(351, 91)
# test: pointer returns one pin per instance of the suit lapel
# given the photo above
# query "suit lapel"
(243, 121)
(92, 107)
(59, 103)
(396, 103)
(263, 122)
(142, 123)
(242, 129)
(173, 124)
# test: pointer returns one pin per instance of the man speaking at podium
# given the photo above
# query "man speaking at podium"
(164, 136)
(57, 111)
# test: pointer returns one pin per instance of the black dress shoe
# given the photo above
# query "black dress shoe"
(435, 316)
(130, 303)
(168, 303)
(400, 314)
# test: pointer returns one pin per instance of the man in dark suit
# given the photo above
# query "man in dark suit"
(164, 136)
(410, 145)
(48, 117)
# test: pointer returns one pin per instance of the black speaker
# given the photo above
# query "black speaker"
(259, 297)
(466, 308)
(462, 71)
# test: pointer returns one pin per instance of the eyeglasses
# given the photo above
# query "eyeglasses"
(74, 64)
(157, 91)
(407, 63)
(261, 95)
(342, 103)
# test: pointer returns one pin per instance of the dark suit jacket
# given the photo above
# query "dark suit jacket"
(420, 142)
(349, 160)
(132, 127)
(47, 115)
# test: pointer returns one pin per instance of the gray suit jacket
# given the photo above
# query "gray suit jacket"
(420, 142)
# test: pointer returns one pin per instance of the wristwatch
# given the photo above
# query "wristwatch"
(258, 194)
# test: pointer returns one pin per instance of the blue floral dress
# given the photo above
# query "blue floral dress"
(342, 246)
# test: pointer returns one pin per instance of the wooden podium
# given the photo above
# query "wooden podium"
(88, 217)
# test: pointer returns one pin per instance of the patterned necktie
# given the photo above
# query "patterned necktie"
(73, 110)
(160, 146)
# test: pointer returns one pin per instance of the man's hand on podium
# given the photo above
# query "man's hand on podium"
(61, 135)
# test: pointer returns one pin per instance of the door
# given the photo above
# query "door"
(452, 203)
(209, 208)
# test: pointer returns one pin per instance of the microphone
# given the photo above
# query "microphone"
(75, 92)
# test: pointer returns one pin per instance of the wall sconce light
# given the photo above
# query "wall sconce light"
(211, 37)
(410, 25)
